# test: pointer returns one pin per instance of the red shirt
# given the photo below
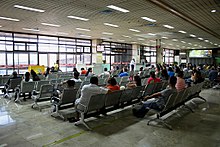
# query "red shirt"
(152, 80)
(83, 72)
(113, 88)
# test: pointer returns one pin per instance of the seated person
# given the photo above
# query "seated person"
(112, 84)
(105, 74)
(180, 84)
(87, 92)
(124, 73)
(171, 72)
(135, 83)
(197, 78)
(89, 73)
(153, 78)
(27, 77)
(76, 77)
(83, 71)
(34, 75)
(160, 97)
(213, 74)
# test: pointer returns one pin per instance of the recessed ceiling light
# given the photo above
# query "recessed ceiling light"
(182, 32)
(200, 38)
(107, 33)
(211, 43)
(78, 18)
(168, 26)
(204, 47)
(82, 29)
(151, 34)
(190, 43)
(216, 44)
(8, 18)
(148, 19)
(111, 25)
(192, 35)
(118, 8)
(177, 45)
(87, 36)
(134, 30)
(50, 24)
(140, 38)
(195, 45)
(126, 36)
(206, 40)
(29, 29)
(183, 41)
(29, 8)
(0, 26)
(164, 37)
(163, 43)
(121, 40)
(170, 44)
(174, 39)
(213, 11)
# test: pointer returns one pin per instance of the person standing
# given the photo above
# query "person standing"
(132, 64)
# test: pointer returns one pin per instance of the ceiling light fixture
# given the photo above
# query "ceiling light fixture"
(206, 40)
(8, 18)
(192, 35)
(164, 37)
(126, 36)
(107, 33)
(29, 29)
(0, 26)
(213, 11)
(111, 25)
(168, 26)
(134, 42)
(118, 8)
(216, 44)
(78, 18)
(182, 32)
(183, 41)
(82, 29)
(140, 39)
(50, 24)
(87, 36)
(134, 30)
(190, 43)
(151, 34)
(174, 39)
(29, 8)
(149, 19)
(121, 40)
(200, 38)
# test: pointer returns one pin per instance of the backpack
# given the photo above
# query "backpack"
(139, 110)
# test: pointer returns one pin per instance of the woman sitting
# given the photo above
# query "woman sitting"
(153, 78)
(135, 83)
(112, 84)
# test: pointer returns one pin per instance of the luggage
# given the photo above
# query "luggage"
(139, 110)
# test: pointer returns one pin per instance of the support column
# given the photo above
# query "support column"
(96, 42)
(159, 51)
(136, 52)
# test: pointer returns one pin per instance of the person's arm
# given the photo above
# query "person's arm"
(152, 96)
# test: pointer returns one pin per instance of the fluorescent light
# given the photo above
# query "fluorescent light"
(82, 29)
(210, 42)
(151, 34)
(170, 44)
(0, 26)
(213, 11)
(121, 40)
(177, 45)
(29, 29)
(204, 47)
(148, 19)
(183, 41)
(182, 53)
(164, 37)
(192, 35)
(216, 44)
(134, 42)
(163, 43)
(182, 32)
(49, 24)
(111, 25)
(126, 36)
(78, 18)
(200, 38)
(190, 43)
(8, 18)
(29, 8)
(107, 33)
(118, 8)
(134, 30)
(195, 45)
(140, 39)
(168, 26)
(62, 33)
(175, 40)
(87, 36)
(206, 40)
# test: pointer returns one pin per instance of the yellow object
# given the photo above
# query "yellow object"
(37, 68)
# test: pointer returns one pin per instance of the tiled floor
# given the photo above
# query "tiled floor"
(22, 126)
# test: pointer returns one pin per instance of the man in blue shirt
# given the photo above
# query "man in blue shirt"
(125, 73)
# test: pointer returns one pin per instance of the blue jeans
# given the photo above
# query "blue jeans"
(151, 104)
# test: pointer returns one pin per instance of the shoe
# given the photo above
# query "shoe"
(72, 120)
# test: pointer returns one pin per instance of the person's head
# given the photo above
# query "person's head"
(33, 73)
(74, 69)
(48, 70)
(152, 74)
(15, 74)
(94, 80)
(82, 69)
(27, 76)
(133, 59)
(141, 68)
(198, 74)
(172, 81)
(57, 62)
(90, 69)
(180, 74)
(70, 83)
(105, 69)
(125, 70)
(117, 67)
(76, 75)
(112, 81)
(137, 80)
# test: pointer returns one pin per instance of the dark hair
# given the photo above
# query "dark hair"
(27, 76)
(15, 74)
(180, 74)
(137, 79)
(70, 83)
(164, 74)
(112, 81)
(34, 76)
(105, 69)
(172, 81)
(152, 74)
(76, 75)
(170, 69)
(89, 70)
(141, 68)
(125, 69)
(82, 68)
(94, 80)
(75, 69)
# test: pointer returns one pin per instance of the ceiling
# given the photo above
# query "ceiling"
(192, 16)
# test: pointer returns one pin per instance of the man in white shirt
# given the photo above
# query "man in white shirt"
(105, 74)
(132, 65)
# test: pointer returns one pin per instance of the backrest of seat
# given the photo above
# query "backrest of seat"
(40, 83)
(125, 79)
(123, 83)
(84, 83)
(137, 92)
(102, 81)
(77, 85)
(118, 79)
(180, 96)
(186, 94)
(46, 91)
(144, 81)
(14, 83)
(68, 96)
(149, 89)
(52, 76)
(112, 99)
(157, 87)
(164, 84)
(27, 86)
(170, 101)
(42, 77)
(5, 79)
(82, 77)
(96, 102)
(126, 95)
